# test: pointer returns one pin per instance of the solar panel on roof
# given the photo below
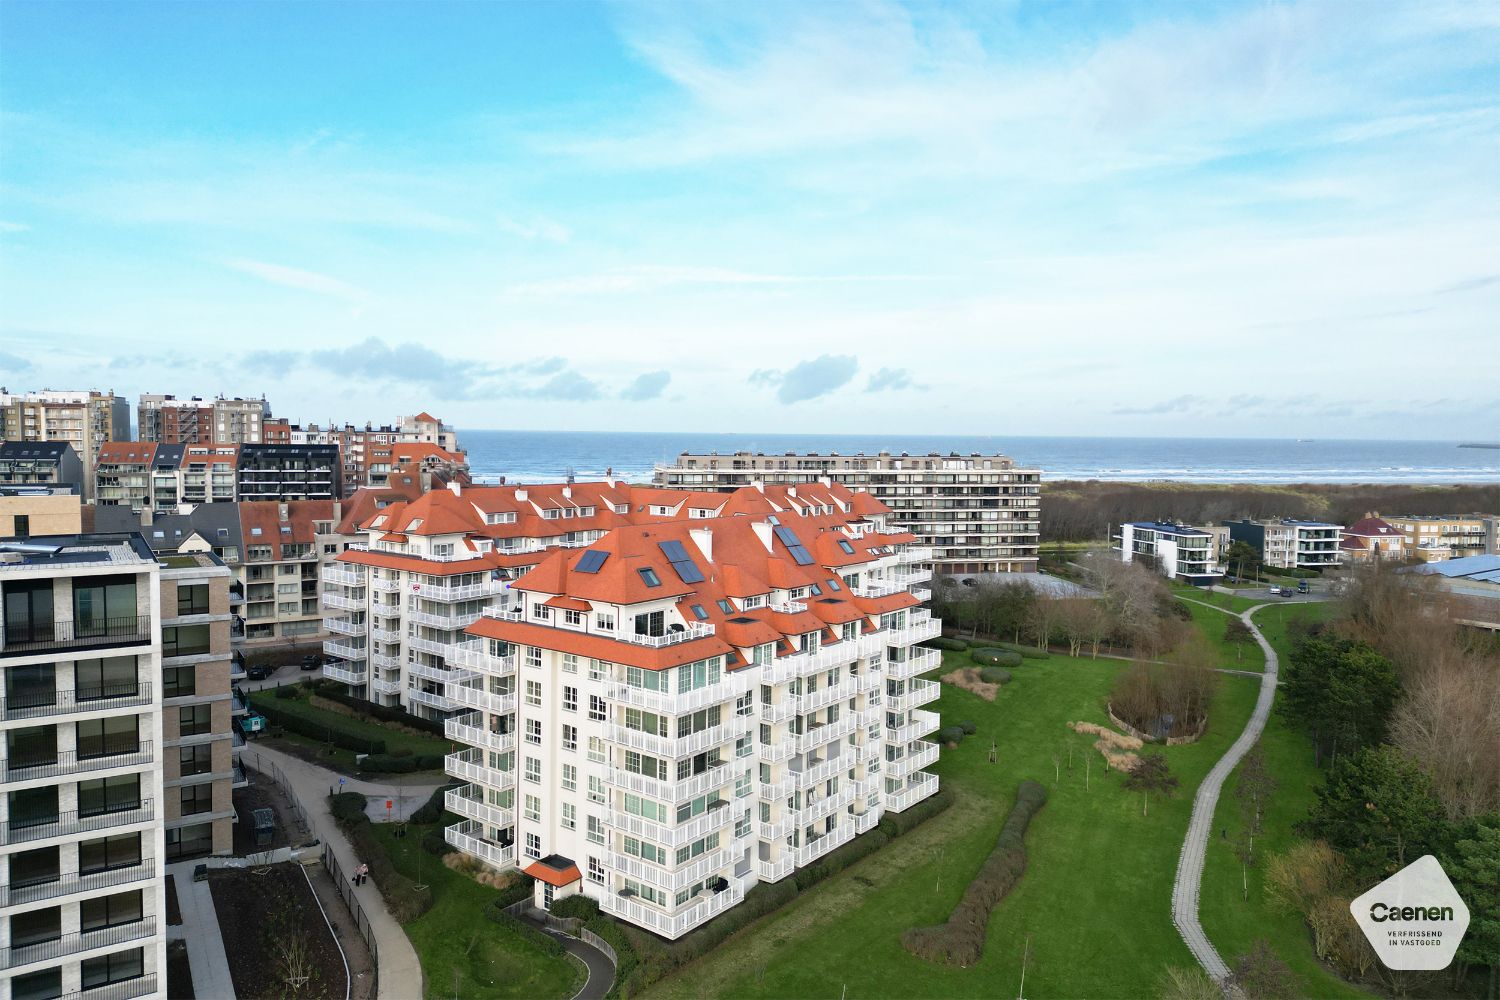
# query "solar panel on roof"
(681, 563)
(794, 546)
(591, 561)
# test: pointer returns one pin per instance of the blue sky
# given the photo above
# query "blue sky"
(1211, 219)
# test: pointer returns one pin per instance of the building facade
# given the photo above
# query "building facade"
(83, 828)
(687, 707)
(979, 514)
(1371, 539)
(1435, 537)
(169, 420)
(1290, 543)
(1176, 551)
(289, 472)
(40, 510)
(84, 420)
(41, 463)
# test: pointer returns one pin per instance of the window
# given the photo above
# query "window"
(533, 770)
(36, 926)
(534, 731)
(572, 617)
(569, 816)
(570, 699)
(569, 737)
(194, 720)
(642, 764)
(109, 853)
(742, 826)
(742, 785)
(104, 605)
(698, 848)
(570, 663)
(649, 577)
(541, 611)
(179, 682)
(645, 850)
(533, 845)
(725, 606)
(113, 968)
(197, 798)
(198, 759)
(647, 892)
(36, 867)
(108, 737)
(597, 711)
(570, 777)
(192, 599)
(596, 870)
(596, 788)
(604, 622)
(533, 656)
(533, 809)
(645, 808)
(22, 524)
(41, 985)
(744, 704)
(185, 640)
(595, 830)
(598, 669)
(596, 750)
(113, 677)
(109, 911)
(534, 693)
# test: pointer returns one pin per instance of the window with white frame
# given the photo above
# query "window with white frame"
(569, 816)
(541, 612)
(570, 777)
(533, 656)
(534, 731)
(596, 788)
(570, 663)
(596, 708)
(572, 617)
(596, 750)
(533, 845)
(604, 622)
(595, 830)
(742, 826)
(596, 870)
(569, 737)
(533, 809)
(742, 785)
(534, 693)
(534, 770)
(570, 698)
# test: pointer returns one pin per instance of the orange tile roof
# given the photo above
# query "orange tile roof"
(416, 564)
(126, 452)
(597, 646)
(553, 876)
(568, 603)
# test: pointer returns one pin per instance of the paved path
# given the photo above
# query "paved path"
(601, 970)
(400, 971)
(405, 792)
(1189, 881)
(200, 928)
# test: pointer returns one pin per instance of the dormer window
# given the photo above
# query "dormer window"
(416, 523)
(755, 601)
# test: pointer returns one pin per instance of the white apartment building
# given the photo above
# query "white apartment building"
(978, 513)
(687, 707)
(1290, 543)
(82, 831)
(1176, 551)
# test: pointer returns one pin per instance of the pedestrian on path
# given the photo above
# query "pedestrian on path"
(361, 874)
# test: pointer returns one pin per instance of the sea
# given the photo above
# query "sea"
(549, 456)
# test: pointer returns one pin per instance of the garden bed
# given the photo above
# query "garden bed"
(274, 935)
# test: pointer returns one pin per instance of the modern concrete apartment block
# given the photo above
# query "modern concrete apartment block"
(978, 513)
(289, 472)
(1290, 543)
(1176, 551)
(169, 420)
(83, 824)
(84, 420)
(198, 705)
(41, 463)
(1435, 537)
(686, 707)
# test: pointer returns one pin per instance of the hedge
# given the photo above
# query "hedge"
(432, 810)
(1027, 652)
(969, 726)
(994, 675)
(989, 657)
(319, 731)
(947, 642)
(644, 959)
(385, 713)
(577, 905)
(402, 897)
(389, 763)
(960, 941)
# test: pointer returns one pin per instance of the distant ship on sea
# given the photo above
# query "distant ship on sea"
(1493, 445)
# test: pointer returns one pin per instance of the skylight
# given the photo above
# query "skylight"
(844, 544)
(700, 613)
(649, 577)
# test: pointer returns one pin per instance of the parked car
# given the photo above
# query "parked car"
(1275, 591)
(312, 661)
(1302, 587)
(260, 672)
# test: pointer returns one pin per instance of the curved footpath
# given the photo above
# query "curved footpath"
(400, 971)
(1189, 881)
(600, 969)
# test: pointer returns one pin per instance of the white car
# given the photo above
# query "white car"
(1275, 591)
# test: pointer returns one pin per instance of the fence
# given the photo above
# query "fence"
(269, 768)
(367, 932)
(571, 926)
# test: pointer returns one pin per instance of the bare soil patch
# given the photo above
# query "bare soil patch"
(278, 945)
(179, 972)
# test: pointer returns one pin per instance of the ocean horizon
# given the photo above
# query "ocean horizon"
(542, 456)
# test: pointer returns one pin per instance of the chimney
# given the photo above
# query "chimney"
(520, 495)
(456, 488)
(759, 484)
(704, 539)
(568, 490)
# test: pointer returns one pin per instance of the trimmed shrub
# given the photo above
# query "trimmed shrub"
(960, 941)
(522, 888)
(432, 810)
(990, 657)
(1027, 652)
(549, 945)
(894, 824)
(286, 692)
(429, 761)
(319, 731)
(347, 807)
(433, 842)
(384, 763)
(385, 713)
(950, 734)
(969, 726)
(579, 906)
(949, 643)
(994, 675)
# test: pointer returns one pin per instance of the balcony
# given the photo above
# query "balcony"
(72, 944)
(672, 703)
(40, 637)
(382, 686)
(25, 831)
(469, 765)
(918, 693)
(441, 675)
(775, 871)
(342, 577)
(816, 847)
(774, 791)
(817, 808)
(69, 883)
(344, 626)
(126, 989)
(44, 704)
(671, 791)
(469, 729)
(437, 647)
(776, 830)
(470, 802)
(777, 750)
(475, 656)
(671, 879)
(468, 837)
(431, 700)
(673, 836)
(820, 772)
(344, 650)
(462, 592)
(915, 553)
(700, 908)
(470, 695)
(820, 733)
(866, 821)
(918, 787)
(68, 762)
(448, 622)
(239, 702)
(878, 588)
(804, 704)
(918, 661)
(686, 633)
(344, 675)
(672, 747)
(386, 584)
(342, 603)
(385, 661)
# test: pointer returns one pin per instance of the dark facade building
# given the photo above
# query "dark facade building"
(51, 463)
(289, 472)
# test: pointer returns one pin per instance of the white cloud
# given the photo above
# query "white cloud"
(291, 277)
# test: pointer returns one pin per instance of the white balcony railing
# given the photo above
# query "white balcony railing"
(817, 736)
(469, 765)
(337, 672)
(469, 728)
(672, 836)
(344, 626)
(672, 879)
(471, 695)
(689, 632)
(673, 703)
(339, 576)
(775, 871)
(468, 837)
(700, 908)
(342, 603)
(671, 791)
(672, 747)
(474, 655)
(470, 802)
(431, 700)
(344, 650)
(918, 787)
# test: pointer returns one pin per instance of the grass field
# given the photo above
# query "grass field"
(1234, 656)
(462, 953)
(395, 739)
(1095, 900)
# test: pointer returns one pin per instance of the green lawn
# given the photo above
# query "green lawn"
(462, 953)
(395, 739)
(1095, 900)
(1232, 921)
(1234, 656)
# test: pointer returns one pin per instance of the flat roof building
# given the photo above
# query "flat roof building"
(1176, 551)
